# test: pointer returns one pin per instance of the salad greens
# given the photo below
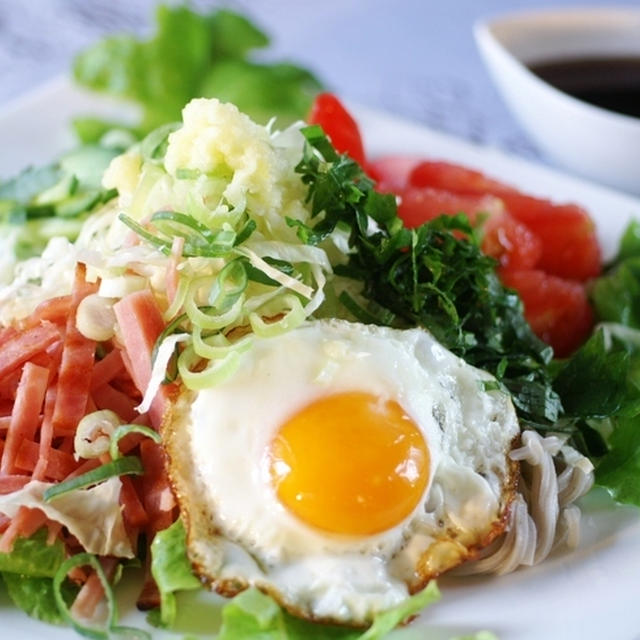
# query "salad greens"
(33, 556)
(27, 573)
(616, 298)
(171, 569)
(192, 55)
(54, 200)
(252, 614)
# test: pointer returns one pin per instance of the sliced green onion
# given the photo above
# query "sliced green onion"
(162, 245)
(245, 232)
(229, 285)
(178, 300)
(217, 346)
(220, 245)
(208, 319)
(81, 560)
(214, 373)
(125, 430)
(110, 630)
(275, 274)
(170, 329)
(292, 319)
(174, 223)
(129, 465)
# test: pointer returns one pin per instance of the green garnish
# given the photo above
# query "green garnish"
(126, 429)
(610, 403)
(53, 200)
(110, 629)
(427, 277)
(171, 569)
(129, 465)
(200, 241)
(192, 55)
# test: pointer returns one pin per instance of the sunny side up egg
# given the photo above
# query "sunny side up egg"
(340, 468)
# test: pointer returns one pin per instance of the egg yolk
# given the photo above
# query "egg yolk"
(350, 464)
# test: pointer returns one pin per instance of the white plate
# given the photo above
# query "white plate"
(591, 593)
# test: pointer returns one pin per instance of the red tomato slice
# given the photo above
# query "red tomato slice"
(419, 205)
(453, 177)
(392, 172)
(510, 242)
(342, 129)
(557, 309)
(570, 247)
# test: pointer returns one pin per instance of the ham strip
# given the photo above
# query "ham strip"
(74, 379)
(25, 346)
(25, 416)
(141, 323)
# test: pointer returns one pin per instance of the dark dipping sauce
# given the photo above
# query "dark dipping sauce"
(610, 83)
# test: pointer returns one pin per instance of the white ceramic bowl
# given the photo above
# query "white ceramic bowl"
(586, 139)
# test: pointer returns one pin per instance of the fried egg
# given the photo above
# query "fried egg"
(341, 467)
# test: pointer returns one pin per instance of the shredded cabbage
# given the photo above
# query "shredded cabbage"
(227, 187)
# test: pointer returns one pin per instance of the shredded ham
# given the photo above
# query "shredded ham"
(54, 310)
(25, 346)
(50, 378)
(25, 416)
(106, 397)
(74, 378)
(92, 592)
(141, 323)
(105, 370)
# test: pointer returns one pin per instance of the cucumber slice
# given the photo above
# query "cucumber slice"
(65, 188)
(81, 202)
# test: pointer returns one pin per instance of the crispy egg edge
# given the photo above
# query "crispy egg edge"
(441, 556)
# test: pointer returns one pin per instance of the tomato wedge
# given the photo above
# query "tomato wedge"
(392, 172)
(557, 309)
(512, 243)
(453, 177)
(339, 125)
(569, 247)
(419, 205)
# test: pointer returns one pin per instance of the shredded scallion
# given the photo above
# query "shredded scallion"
(129, 465)
(125, 430)
(109, 629)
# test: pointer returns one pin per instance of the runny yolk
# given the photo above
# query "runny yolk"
(350, 464)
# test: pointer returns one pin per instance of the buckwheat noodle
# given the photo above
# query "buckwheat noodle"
(543, 515)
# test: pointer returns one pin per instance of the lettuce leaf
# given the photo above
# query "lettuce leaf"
(595, 383)
(171, 569)
(253, 614)
(33, 557)
(619, 470)
(27, 573)
(256, 616)
(34, 596)
(193, 55)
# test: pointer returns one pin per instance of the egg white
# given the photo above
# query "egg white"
(240, 534)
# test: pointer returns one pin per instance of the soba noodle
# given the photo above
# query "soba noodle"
(543, 516)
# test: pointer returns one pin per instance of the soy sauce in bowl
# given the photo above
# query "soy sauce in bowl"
(612, 83)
